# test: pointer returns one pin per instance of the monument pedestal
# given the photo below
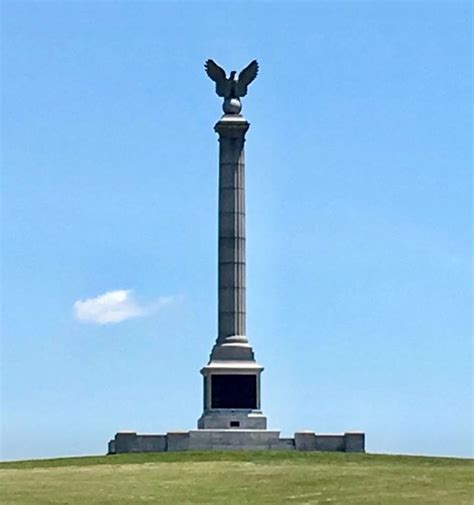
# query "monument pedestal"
(232, 396)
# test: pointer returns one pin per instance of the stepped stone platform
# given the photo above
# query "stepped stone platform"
(234, 439)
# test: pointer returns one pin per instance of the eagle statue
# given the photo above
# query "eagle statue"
(233, 87)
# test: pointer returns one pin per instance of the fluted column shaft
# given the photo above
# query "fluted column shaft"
(231, 274)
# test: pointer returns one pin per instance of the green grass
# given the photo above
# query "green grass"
(231, 478)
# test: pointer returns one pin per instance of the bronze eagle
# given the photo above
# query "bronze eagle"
(232, 87)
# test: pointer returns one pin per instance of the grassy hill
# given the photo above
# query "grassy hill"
(228, 478)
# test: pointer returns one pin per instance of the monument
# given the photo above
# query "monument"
(232, 376)
(232, 417)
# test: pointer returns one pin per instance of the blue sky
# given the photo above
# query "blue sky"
(359, 236)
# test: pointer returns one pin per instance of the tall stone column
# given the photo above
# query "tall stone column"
(231, 340)
(232, 376)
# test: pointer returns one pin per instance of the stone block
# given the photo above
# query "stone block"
(231, 299)
(231, 130)
(231, 276)
(223, 419)
(305, 441)
(231, 249)
(233, 439)
(178, 441)
(151, 443)
(354, 441)
(131, 442)
(231, 174)
(125, 442)
(231, 224)
(231, 200)
(330, 443)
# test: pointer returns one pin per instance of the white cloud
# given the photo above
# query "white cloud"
(115, 307)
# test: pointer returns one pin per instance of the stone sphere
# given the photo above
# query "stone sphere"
(232, 106)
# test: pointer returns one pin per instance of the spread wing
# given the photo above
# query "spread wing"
(247, 75)
(217, 74)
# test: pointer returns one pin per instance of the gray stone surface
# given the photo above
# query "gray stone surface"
(235, 439)
(355, 441)
(330, 443)
(231, 246)
(131, 442)
(178, 441)
(223, 418)
(125, 442)
(305, 441)
(347, 442)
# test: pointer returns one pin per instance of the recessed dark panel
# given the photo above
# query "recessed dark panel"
(234, 391)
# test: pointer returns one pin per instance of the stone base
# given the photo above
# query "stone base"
(234, 439)
(228, 419)
(232, 396)
(202, 440)
(233, 350)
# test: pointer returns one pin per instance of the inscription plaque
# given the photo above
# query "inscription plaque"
(233, 391)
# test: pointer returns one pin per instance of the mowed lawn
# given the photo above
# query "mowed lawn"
(225, 478)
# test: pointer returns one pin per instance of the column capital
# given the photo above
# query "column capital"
(232, 125)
